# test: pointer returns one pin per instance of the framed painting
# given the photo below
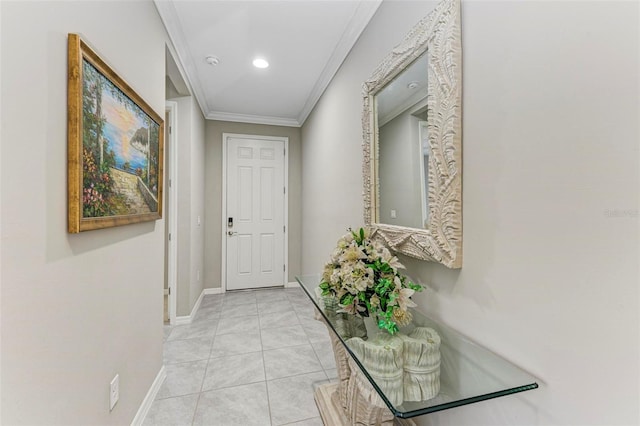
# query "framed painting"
(115, 147)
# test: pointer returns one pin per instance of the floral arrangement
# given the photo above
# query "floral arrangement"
(363, 276)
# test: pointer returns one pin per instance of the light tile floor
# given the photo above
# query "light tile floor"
(248, 358)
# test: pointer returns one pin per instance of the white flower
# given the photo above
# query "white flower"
(343, 243)
(352, 253)
(375, 250)
(335, 277)
(404, 300)
(375, 301)
(377, 245)
(356, 277)
(402, 317)
(393, 261)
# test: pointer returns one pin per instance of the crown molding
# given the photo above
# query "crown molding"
(253, 119)
(358, 22)
(361, 17)
(169, 17)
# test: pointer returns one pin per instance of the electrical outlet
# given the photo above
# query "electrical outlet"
(393, 214)
(114, 391)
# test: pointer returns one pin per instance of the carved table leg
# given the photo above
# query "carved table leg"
(364, 405)
(343, 369)
(352, 401)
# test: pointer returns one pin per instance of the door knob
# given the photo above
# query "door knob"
(231, 233)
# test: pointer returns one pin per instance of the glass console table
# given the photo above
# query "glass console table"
(468, 372)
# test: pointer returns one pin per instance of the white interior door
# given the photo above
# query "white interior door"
(255, 212)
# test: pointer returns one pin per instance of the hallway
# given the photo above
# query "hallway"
(248, 358)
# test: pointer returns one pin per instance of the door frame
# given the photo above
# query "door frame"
(223, 223)
(171, 107)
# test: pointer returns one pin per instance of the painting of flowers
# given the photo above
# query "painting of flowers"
(115, 147)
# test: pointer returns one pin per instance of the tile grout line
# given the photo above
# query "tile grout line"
(314, 350)
(296, 375)
(193, 417)
(204, 376)
(264, 370)
(298, 421)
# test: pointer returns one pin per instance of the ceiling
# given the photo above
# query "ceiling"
(305, 42)
(407, 89)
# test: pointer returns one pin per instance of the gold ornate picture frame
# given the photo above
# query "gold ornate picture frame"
(115, 147)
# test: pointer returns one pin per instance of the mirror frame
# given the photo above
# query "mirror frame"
(439, 35)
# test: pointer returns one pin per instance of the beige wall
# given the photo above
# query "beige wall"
(190, 194)
(399, 170)
(197, 170)
(213, 193)
(550, 195)
(183, 195)
(76, 309)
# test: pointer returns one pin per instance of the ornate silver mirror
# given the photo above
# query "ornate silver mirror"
(412, 141)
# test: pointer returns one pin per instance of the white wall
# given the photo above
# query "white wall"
(213, 188)
(76, 309)
(550, 196)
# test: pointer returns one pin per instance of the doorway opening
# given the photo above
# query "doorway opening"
(171, 254)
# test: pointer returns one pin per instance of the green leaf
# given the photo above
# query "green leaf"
(415, 287)
(326, 288)
(347, 299)
(386, 324)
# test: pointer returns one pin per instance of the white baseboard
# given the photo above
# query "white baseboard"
(292, 284)
(182, 320)
(189, 318)
(148, 399)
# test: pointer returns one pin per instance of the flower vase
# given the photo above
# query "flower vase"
(346, 325)
(371, 325)
(349, 326)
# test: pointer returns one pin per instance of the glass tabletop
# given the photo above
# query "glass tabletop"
(468, 372)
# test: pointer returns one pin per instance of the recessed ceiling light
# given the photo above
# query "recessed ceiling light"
(260, 63)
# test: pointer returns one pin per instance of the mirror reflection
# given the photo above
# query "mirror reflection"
(402, 182)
